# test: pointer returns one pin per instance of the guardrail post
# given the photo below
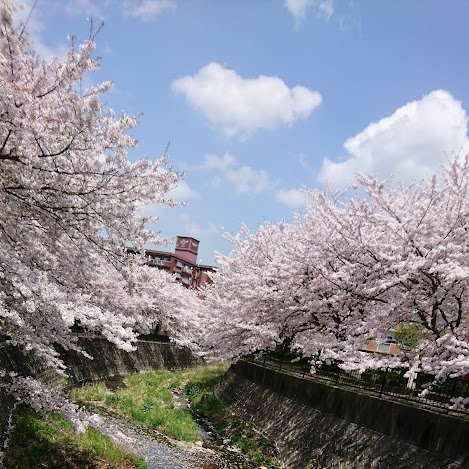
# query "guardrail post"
(281, 357)
(383, 383)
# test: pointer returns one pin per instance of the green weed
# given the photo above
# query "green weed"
(147, 399)
(89, 392)
(48, 440)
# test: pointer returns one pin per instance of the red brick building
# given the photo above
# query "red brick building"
(182, 263)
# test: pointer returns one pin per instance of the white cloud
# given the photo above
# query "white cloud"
(298, 8)
(219, 163)
(349, 23)
(91, 8)
(153, 210)
(202, 232)
(239, 106)
(183, 192)
(247, 180)
(35, 29)
(292, 198)
(143, 10)
(303, 161)
(243, 178)
(146, 10)
(410, 144)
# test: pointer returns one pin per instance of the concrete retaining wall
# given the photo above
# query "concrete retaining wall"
(108, 360)
(324, 426)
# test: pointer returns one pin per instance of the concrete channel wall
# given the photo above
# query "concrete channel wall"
(316, 425)
(109, 361)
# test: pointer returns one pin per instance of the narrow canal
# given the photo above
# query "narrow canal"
(161, 395)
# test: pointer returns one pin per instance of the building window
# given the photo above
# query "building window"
(384, 347)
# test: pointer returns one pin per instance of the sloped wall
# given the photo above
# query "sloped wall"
(320, 426)
(108, 360)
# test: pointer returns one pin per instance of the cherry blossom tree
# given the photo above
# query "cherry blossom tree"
(244, 307)
(70, 200)
(351, 268)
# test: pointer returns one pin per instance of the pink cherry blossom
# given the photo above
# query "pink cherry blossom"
(70, 200)
(349, 269)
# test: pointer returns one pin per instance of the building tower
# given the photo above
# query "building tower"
(187, 248)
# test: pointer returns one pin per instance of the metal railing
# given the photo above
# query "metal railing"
(387, 383)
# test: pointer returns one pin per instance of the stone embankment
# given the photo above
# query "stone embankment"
(317, 425)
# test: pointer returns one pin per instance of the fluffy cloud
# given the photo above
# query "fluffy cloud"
(244, 179)
(219, 163)
(298, 8)
(146, 10)
(292, 198)
(93, 8)
(410, 144)
(181, 193)
(239, 106)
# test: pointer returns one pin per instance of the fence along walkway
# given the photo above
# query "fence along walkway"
(384, 383)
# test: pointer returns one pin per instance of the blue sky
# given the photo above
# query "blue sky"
(261, 97)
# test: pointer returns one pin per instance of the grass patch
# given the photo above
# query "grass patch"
(49, 441)
(148, 399)
(90, 392)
